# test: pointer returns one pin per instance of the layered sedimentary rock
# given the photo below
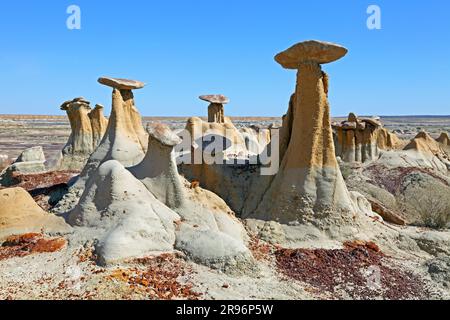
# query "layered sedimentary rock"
(31, 160)
(361, 139)
(444, 141)
(216, 148)
(215, 109)
(424, 143)
(99, 124)
(125, 139)
(209, 232)
(423, 151)
(128, 220)
(19, 214)
(150, 208)
(256, 138)
(309, 183)
(88, 127)
(429, 151)
(218, 129)
(158, 170)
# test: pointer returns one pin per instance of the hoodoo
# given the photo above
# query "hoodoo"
(209, 231)
(219, 127)
(150, 208)
(309, 183)
(361, 139)
(80, 144)
(215, 109)
(125, 139)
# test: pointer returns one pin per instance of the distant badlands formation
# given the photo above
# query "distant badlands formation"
(131, 199)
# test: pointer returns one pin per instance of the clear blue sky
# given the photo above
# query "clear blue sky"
(182, 49)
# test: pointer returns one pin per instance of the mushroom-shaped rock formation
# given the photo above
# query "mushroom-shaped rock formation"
(98, 123)
(87, 128)
(360, 140)
(31, 160)
(218, 132)
(309, 182)
(316, 52)
(216, 150)
(19, 214)
(209, 232)
(125, 139)
(121, 84)
(215, 109)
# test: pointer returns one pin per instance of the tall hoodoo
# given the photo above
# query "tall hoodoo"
(215, 110)
(309, 182)
(125, 139)
(80, 144)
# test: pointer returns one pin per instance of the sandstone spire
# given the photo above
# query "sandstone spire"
(309, 182)
(215, 109)
(80, 144)
(125, 139)
(98, 123)
(87, 129)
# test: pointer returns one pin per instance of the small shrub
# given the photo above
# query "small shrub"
(431, 205)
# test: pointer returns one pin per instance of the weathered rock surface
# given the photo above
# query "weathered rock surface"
(360, 140)
(309, 183)
(31, 160)
(125, 139)
(318, 52)
(19, 214)
(121, 84)
(99, 124)
(422, 152)
(209, 232)
(128, 221)
(230, 143)
(88, 127)
(256, 139)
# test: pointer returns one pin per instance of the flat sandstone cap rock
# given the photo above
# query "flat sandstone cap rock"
(163, 134)
(312, 50)
(121, 84)
(215, 98)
